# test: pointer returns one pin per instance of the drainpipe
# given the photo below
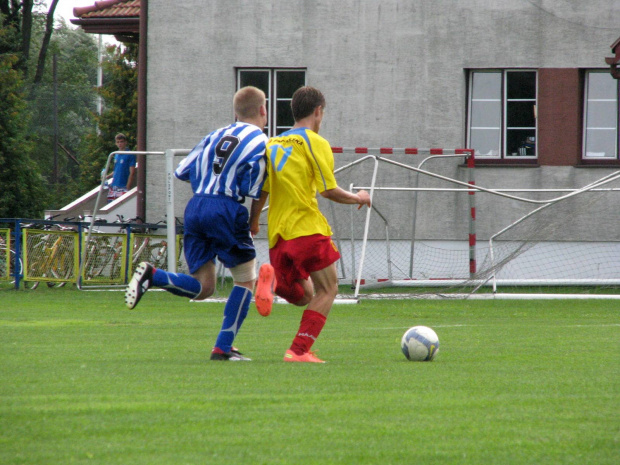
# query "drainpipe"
(141, 136)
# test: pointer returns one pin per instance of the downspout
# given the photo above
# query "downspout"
(141, 136)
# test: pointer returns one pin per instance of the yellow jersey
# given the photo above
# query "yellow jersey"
(300, 163)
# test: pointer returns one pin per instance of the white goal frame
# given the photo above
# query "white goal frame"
(468, 187)
(376, 157)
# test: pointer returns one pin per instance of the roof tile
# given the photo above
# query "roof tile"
(109, 9)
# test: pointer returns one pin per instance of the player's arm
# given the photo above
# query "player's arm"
(340, 195)
(255, 209)
(324, 178)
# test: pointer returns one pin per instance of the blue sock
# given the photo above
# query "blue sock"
(177, 283)
(235, 311)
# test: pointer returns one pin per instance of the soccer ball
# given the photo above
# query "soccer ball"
(420, 344)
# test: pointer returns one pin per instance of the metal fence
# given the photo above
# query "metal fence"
(36, 251)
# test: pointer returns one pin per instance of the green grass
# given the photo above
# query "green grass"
(83, 380)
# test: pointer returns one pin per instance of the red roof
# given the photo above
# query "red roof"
(109, 9)
(118, 17)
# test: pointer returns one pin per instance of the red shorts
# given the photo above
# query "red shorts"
(294, 260)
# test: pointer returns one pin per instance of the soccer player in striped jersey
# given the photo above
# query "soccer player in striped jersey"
(301, 251)
(227, 166)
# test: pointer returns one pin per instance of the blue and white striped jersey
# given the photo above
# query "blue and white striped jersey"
(230, 161)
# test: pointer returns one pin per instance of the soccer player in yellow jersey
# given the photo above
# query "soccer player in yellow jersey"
(302, 254)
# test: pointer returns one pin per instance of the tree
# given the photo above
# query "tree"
(19, 16)
(48, 120)
(49, 29)
(63, 109)
(23, 193)
(120, 94)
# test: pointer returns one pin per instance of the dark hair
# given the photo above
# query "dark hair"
(305, 100)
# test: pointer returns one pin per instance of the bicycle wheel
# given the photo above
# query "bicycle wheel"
(66, 274)
(62, 268)
(16, 268)
(34, 267)
(158, 255)
(97, 260)
(4, 269)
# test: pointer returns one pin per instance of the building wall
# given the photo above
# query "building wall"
(393, 72)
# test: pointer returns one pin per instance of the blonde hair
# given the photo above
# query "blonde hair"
(247, 102)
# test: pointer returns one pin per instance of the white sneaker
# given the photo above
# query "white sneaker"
(140, 282)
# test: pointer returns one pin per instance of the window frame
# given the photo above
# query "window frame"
(272, 128)
(586, 100)
(503, 157)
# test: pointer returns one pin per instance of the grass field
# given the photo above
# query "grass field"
(83, 380)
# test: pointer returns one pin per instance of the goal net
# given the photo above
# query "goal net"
(393, 242)
(432, 232)
(423, 237)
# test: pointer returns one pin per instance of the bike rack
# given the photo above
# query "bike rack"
(169, 155)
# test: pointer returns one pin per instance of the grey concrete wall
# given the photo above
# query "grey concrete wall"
(393, 73)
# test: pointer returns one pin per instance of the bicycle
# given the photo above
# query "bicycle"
(49, 253)
(158, 253)
(100, 252)
(10, 263)
(154, 248)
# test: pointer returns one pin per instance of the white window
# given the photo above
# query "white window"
(279, 86)
(600, 116)
(502, 113)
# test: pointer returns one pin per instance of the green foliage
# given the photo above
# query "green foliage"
(515, 383)
(76, 55)
(23, 193)
(28, 151)
(120, 95)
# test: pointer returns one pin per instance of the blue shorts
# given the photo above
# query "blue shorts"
(216, 226)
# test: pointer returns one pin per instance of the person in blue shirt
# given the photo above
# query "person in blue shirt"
(227, 166)
(124, 170)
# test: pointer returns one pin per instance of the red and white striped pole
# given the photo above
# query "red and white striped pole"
(434, 151)
(471, 164)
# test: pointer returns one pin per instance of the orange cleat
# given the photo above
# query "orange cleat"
(264, 289)
(291, 356)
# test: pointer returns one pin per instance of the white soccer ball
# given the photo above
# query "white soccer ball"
(420, 344)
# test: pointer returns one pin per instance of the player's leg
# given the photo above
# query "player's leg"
(280, 277)
(325, 283)
(235, 312)
(147, 276)
(206, 277)
(200, 260)
(317, 258)
(199, 285)
(313, 319)
(265, 288)
(235, 249)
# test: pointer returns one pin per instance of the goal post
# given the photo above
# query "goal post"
(379, 247)
(422, 234)
(546, 249)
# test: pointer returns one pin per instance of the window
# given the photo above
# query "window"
(600, 116)
(279, 86)
(502, 114)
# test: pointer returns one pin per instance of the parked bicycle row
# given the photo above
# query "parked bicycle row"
(72, 250)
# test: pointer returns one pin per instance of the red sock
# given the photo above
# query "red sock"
(309, 329)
